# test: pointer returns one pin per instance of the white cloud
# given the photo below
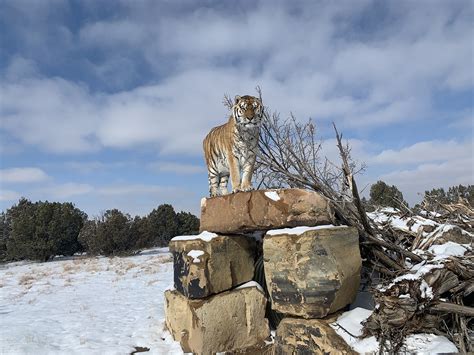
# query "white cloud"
(9, 195)
(413, 182)
(324, 67)
(427, 151)
(22, 175)
(63, 191)
(177, 168)
(54, 114)
(93, 166)
(130, 190)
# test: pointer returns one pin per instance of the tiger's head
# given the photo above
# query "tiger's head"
(247, 111)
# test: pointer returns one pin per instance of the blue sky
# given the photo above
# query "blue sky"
(105, 104)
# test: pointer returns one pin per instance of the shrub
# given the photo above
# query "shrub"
(188, 223)
(110, 234)
(41, 230)
(162, 225)
(382, 194)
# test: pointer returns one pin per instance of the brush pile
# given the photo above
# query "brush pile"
(420, 263)
(426, 288)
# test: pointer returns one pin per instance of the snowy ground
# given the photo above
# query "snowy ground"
(112, 305)
(86, 305)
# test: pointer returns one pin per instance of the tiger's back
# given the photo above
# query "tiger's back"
(217, 144)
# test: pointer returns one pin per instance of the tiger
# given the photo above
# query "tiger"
(230, 149)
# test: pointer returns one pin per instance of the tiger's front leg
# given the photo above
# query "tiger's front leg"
(234, 173)
(247, 168)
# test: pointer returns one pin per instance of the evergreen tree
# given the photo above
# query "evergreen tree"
(4, 233)
(41, 230)
(188, 223)
(162, 225)
(110, 234)
(382, 194)
(434, 197)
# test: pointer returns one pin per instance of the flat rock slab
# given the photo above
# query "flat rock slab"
(228, 321)
(209, 263)
(308, 336)
(312, 271)
(264, 209)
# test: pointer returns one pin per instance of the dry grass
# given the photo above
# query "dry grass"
(26, 280)
(71, 267)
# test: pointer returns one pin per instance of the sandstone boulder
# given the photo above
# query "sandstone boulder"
(312, 271)
(308, 336)
(228, 321)
(209, 263)
(264, 209)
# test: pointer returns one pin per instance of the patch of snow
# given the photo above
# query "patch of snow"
(426, 290)
(195, 254)
(272, 195)
(250, 284)
(86, 306)
(418, 271)
(389, 210)
(429, 344)
(350, 322)
(448, 249)
(407, 224)
(272, 338)
(300, 230)
(205, 236)
(430, 213)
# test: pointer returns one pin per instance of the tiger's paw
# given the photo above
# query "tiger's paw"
(234, 191)
(247, 189)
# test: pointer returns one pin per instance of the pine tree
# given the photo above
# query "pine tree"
(384, 195)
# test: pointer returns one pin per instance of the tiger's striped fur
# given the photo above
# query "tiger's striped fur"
(230, 149)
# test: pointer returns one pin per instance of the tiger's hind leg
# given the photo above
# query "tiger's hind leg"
(213, 184)
(223, 185)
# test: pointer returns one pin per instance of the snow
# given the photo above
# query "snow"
(389, 210)
(430, 213)
(426, 290)
(350, 322)
(272, 195)
(448, 249)
(205, 236)
(386, 215)
(195, 254)
(300, 230)
(86, 305)
(417, 273)
(429, 344)
(250, 284)
(112, 305)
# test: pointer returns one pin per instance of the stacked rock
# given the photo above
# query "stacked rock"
(312, 269)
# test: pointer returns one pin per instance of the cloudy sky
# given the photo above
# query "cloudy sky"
(105, 104)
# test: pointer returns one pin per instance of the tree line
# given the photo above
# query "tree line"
(385, 195)
(41, 230)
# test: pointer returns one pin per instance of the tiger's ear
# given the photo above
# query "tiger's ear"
(236, 99)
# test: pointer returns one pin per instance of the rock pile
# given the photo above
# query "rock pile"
(312, 269)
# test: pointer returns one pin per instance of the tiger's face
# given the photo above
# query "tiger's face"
(248, 111)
